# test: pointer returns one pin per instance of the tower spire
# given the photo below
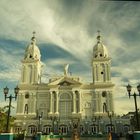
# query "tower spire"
(98, 36)
(33, 39)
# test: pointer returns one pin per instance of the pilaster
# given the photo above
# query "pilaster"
(57, 103)
(74, 103)
(50, 103)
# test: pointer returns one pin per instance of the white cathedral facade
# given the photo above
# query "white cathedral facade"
(65, 101)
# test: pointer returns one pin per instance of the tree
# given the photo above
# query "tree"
(3, 119)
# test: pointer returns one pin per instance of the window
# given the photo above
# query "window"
(47, 129)
(65, 105)
(102, 72)
(32, 129)
(26, 109)
(27, 96)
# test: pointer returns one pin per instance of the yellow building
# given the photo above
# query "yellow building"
(64, 102)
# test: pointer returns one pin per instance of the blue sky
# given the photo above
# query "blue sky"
(66, 32)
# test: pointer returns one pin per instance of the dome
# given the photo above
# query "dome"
(32, 50)
(99, 50)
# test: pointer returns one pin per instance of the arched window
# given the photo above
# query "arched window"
(17, 129)
(102, 72)
(63, 129)
(94, 129)
(26, 109)
(47, 129)
(65, 105)
(104, 107)
(32, 129)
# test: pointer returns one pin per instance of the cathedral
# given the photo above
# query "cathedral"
(64, 102)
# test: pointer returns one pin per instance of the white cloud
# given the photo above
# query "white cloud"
(73, 28)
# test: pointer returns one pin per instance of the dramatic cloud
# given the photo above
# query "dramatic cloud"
(66, 32)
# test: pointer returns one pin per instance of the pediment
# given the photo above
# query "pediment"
(65, 81)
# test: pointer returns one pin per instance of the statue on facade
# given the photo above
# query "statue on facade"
(66, 69)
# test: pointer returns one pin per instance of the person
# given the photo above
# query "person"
(109, 136)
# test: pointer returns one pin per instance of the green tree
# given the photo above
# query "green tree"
(3, 119)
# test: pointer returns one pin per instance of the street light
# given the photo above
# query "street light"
(129, 87)
(110, 118)
(40, 118)
(6, 90)
(54, 119)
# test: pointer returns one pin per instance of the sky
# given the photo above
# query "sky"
(66, 33)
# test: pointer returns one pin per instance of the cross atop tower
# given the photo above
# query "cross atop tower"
(98, 37)
(33, 39)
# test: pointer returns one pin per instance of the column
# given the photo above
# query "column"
(36, 74)
(57, 103)
(96, 95)
(74, 104)
(32, 73)
(80, 103)
(30, 101)
(18, 103)
(22, 103)
(108, 69)
(34, 103)
(108, 101)
(99, 102)
(50, 103)
(106, 72)
(97, 73)
(94, 72)
(25, 74)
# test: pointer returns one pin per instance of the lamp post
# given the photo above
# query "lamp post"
(53, 119)
(129, 87)
(40, 118)
(6, 90)
(110, 119)
(98, 119)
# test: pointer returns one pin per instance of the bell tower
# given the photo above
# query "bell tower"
(101, 63)
(31, 64)
(103, 87)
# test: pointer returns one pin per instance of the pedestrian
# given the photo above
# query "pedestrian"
(109, 136)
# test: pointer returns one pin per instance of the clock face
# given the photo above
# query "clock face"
(104, 94)
(27, 96)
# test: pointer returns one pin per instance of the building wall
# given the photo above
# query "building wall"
(65, 102)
